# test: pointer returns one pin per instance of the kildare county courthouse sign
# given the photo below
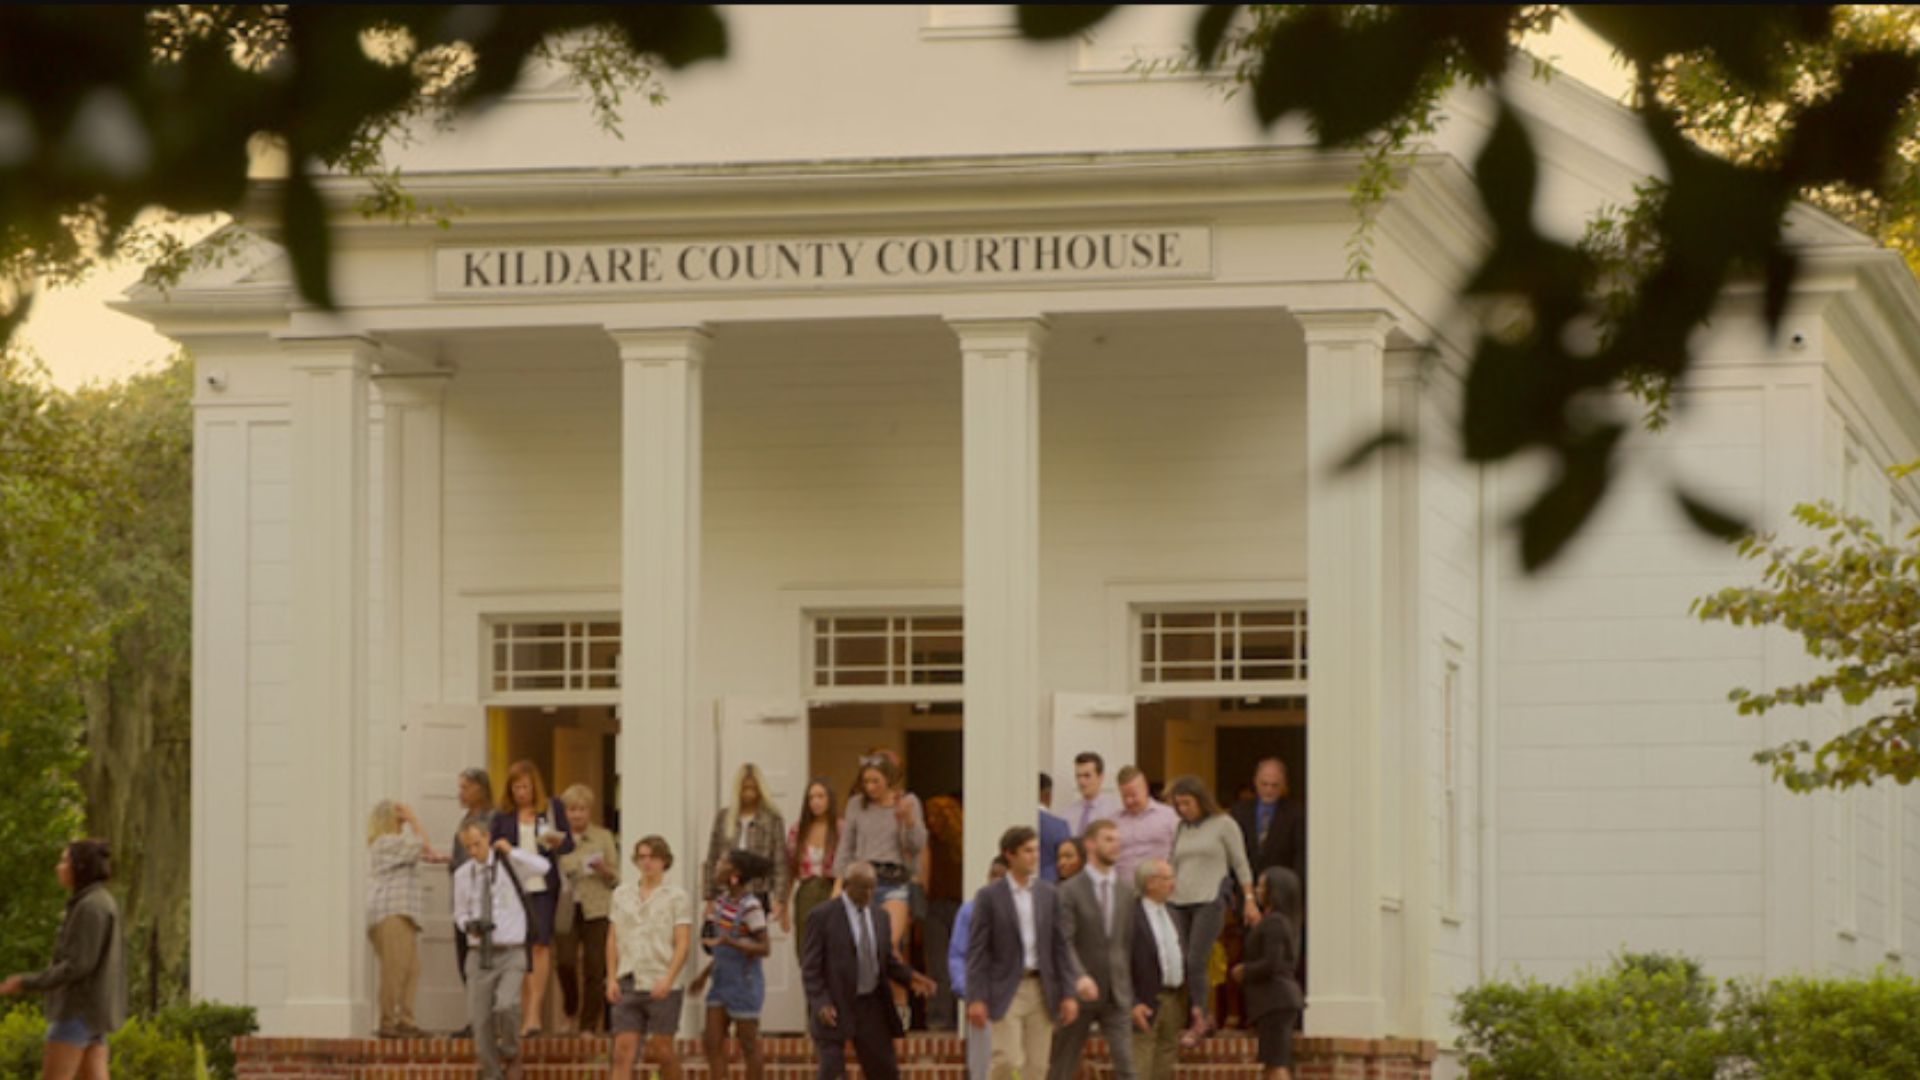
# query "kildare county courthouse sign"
(932, 259)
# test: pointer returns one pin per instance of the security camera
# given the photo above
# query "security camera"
(215, 381)
(1798, 340)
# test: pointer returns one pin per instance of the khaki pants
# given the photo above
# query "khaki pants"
(1023, 1039)
(395, 942)
(1155, 1051)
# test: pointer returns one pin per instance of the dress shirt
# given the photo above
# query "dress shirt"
(860, 919)
(1166, 942)
(509, 916)
(643, 926)
(1023, 910)
(1081, 813)
(1102, 892)
(1145, 835)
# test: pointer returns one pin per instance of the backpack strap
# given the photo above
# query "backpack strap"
(526, 910)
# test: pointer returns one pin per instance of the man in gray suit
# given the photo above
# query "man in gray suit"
(1096, 910)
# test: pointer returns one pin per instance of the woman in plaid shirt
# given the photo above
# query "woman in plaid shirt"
(393, 910)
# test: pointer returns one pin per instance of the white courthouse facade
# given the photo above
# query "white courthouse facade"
(900, 383)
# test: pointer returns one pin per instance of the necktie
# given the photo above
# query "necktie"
(1106, 905)
(1086, 816)
(869, 971)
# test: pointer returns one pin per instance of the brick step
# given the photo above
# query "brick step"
(772, 1073)
(1224, 1048)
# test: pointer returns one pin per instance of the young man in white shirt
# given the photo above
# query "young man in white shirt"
(649, 937)
(490, 906)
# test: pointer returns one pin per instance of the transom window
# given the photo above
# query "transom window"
(874, 650)
(1223, 645)
(573, 653)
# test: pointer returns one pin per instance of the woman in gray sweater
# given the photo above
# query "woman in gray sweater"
(1207, 847)
(86, 985)
(884, 826)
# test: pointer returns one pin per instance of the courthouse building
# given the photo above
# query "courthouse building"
(901, 383)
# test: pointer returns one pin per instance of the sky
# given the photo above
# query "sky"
(82, 340)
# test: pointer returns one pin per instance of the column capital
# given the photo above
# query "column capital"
(1011, 334)
(661, 344)
(339, 353)
(1346, 326)
(412, 388)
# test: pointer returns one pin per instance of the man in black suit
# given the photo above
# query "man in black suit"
(1021, 973)
(1274, 826)
(846, 968)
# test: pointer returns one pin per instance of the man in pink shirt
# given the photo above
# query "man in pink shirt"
(1146, 827)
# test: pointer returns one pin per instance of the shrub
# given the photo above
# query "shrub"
(23, 1031)
(141, 1051)
(1646, 1017)
(1827, 1029)
(214, 1026)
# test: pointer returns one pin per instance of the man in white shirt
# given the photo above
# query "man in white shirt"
(1021, 974)
(1158, 969)
(490, 906)
(649, 937)
(1092, 803)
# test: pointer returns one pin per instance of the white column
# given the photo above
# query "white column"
(1000, 394)
(326, 942)
(1408, 709)
(1345, 405)
(411, 411)
(659, 580)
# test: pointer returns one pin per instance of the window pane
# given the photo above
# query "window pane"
(1189, 619)
(538, 656)
(604, 630)
(1266, 645)
(860, 652)
(860, 626)
(1187, 648)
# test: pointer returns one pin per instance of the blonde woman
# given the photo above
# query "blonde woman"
(396, 846)
(750, 823)
(592, 868)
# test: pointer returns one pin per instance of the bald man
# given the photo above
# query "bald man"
(846, 968)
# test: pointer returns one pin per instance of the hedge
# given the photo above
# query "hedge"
(1650, 1016)
(170, 1045)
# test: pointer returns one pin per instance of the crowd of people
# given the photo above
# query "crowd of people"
(1109, 911)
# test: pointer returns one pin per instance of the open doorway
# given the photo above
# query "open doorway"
(572, 744)
(927, 739)
(1222, 740)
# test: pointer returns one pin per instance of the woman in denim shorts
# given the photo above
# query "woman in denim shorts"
(86, 985)
(737, 935)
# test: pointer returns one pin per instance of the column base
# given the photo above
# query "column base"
(1362, 1017)
(317, 1018)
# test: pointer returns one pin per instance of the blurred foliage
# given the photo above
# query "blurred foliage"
(1853, 596)
(1748, 110)
(162, 107)
(95, 613)
(52, 639)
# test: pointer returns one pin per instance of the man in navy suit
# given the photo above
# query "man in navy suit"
(1021, 972)
(846, 968)
(1054, 831)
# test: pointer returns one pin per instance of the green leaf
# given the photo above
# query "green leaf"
(1559, 511)
(1210, 31)
(1051, 22)
(308, 242)
(1710, 519)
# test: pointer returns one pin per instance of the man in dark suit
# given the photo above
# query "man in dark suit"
(1158, 967)
(1097, 909)
(1054, 831)
(845, 969)
(1274, 826)
(1021, 973)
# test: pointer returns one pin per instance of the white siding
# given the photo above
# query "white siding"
(273, 789)
(1630, 815)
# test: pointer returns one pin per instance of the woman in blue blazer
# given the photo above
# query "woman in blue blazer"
(531, 819)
